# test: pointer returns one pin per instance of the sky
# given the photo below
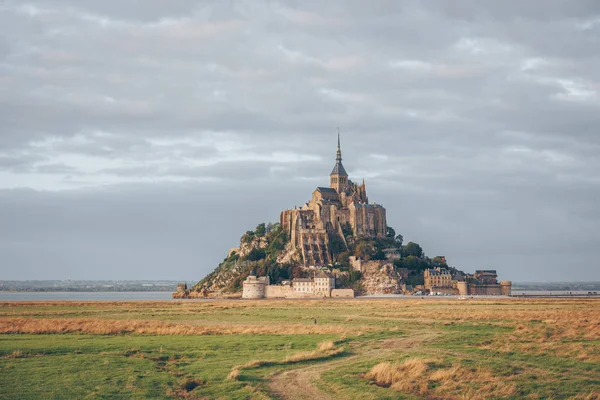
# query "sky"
(140, 139)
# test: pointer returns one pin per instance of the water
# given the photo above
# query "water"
(554, 292)
(83, 296)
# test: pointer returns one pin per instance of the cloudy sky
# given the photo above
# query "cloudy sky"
(140, 138)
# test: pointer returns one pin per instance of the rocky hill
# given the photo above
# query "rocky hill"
(264, 250)
(267, 251)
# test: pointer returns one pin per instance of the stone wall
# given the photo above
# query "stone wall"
(485, 290)
(368, 220)
(278, 292)
(462, 288)
(443, 290)
(342, 293)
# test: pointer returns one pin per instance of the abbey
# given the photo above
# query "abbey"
(331, 209)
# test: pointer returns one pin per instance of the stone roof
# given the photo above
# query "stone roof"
(441, 271)
(326, 190)
(339, 169)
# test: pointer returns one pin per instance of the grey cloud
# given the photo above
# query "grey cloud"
(475, 123)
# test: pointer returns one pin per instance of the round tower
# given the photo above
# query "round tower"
(254, 288)
(338, 179)
(506, 288)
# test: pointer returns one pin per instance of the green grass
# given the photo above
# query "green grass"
(474, 335)
(90, 366)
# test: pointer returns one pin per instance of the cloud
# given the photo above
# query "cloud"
(139, 137)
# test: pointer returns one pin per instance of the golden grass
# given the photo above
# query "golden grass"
(587, 396)
(424, 378)
(234, 374)
(114, 327)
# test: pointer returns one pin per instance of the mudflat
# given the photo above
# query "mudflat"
(302, 349)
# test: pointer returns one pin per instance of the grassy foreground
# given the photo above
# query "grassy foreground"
(358, 349)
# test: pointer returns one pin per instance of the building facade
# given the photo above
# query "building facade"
(483, 282)
(438, 280)
(331, 209)
(319, 286)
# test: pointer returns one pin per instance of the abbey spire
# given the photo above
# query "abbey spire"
(338, 179)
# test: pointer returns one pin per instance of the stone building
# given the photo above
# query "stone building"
(483, 282)
(438, 280)
(343, 203)
(319, 286)
(255, 287)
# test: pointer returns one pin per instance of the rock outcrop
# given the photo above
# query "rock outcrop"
(380, 277)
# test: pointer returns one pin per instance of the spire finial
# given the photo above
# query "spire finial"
(339, 149)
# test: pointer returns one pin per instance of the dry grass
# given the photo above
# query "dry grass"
(234, 374)
(588, 396)
(424, 378)
(327, 346)
(151, 327)
(15, 354)
(324, 350)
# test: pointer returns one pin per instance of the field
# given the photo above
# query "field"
(339, 349)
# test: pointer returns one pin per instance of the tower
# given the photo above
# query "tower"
(338, 179)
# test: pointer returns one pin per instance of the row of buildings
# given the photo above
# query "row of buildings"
(320, 285)
(482, 282)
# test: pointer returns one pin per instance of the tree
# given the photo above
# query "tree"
(412, 249)
(364, 249)
(391, 233)
(347, 229)
(379, 255)
(256, 254)
(336, 244)
(399, 240)
(261, 230)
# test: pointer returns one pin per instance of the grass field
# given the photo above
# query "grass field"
(358, 349)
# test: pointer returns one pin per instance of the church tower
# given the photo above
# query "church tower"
(338, 179)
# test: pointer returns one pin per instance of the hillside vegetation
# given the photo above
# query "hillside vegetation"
(268, 252)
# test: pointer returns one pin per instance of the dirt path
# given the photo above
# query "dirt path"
(299, 384)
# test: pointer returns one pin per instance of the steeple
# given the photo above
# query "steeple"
(339, 177)
(338, 158)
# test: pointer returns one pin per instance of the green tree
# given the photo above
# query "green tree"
(347, 230)
(336, 244)
(261, 230)
(399, 240)
(256, 255)
(379, 255)
(391, 233)
(364, 249)
(412, 249)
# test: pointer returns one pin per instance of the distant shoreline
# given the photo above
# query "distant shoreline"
(6, 296)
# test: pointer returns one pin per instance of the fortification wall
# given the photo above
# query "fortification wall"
(278, 292)
(462, 288)
(506, 288)
(485, 290)
(342, 293)
(253, 290)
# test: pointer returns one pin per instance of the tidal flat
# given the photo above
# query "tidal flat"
(302, 349)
